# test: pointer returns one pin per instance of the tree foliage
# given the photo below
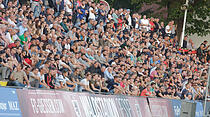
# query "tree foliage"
(198, 21)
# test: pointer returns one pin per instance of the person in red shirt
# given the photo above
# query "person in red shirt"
(120, 21)
(146, 91)
(122, 83)
(152, 24)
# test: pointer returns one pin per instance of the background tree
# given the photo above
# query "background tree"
(198, 21)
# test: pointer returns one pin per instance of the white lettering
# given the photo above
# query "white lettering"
(3, 106)
(13, 105)
(34, 107)
(47, 106)
(76, 108)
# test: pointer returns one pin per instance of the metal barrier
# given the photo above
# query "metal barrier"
(56, 103)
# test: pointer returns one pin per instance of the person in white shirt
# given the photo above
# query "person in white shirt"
(1, 4)
(63, 82)
(61, 64)
(145, 23)
(84, 83)
(12, 21)
(168, 29)
(11, 35)
(68, 6)
(129, 17)
(92, 11)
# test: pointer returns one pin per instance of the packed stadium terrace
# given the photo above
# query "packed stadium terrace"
(87, 47)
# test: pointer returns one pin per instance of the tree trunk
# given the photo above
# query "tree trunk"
(179, 29)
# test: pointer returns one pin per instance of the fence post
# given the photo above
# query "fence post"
(207, 89)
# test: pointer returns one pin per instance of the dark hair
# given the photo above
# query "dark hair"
(34, 68)
(152, 83)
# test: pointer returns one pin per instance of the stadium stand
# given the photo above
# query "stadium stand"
(82, 46)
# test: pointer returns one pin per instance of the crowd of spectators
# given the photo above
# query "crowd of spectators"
(81, 46)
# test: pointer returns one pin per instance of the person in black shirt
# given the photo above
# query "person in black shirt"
(208, 57)
(202, 49)
(50, 78)
(113, 85)
(94, 68)
(157, 25)
(168, 92)
(160, 93)
(18, 54)
(4, 67)
(185, 42)
(185, 91)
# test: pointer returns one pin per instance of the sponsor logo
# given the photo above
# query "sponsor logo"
(52, 106)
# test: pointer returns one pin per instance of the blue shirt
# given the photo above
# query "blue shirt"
(22, 30)
(108, 75)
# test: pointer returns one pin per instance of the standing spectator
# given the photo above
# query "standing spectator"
(190, 44)
(101, 13)
(59, 5)
(36, 7)
(92, 11)
(173, 30)
(145, 23)
(115, 18)
(68, 7)
(162, 29)
(208, 57)
(82, 12)
(168, 29)
(185, 43)
(202, 49)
